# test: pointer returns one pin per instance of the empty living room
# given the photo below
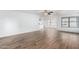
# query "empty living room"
(39, 29)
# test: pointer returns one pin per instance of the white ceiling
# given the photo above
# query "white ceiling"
(67, 11)
(31, 11)
(58, 12)
(22, 11)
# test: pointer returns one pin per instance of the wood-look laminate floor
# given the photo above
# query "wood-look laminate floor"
(43, 39)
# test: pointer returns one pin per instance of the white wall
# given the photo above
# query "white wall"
(14, 22)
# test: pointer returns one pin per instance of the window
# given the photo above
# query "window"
(72, 22)
(64, 22)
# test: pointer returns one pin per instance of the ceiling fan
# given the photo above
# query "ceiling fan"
(47, 12)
